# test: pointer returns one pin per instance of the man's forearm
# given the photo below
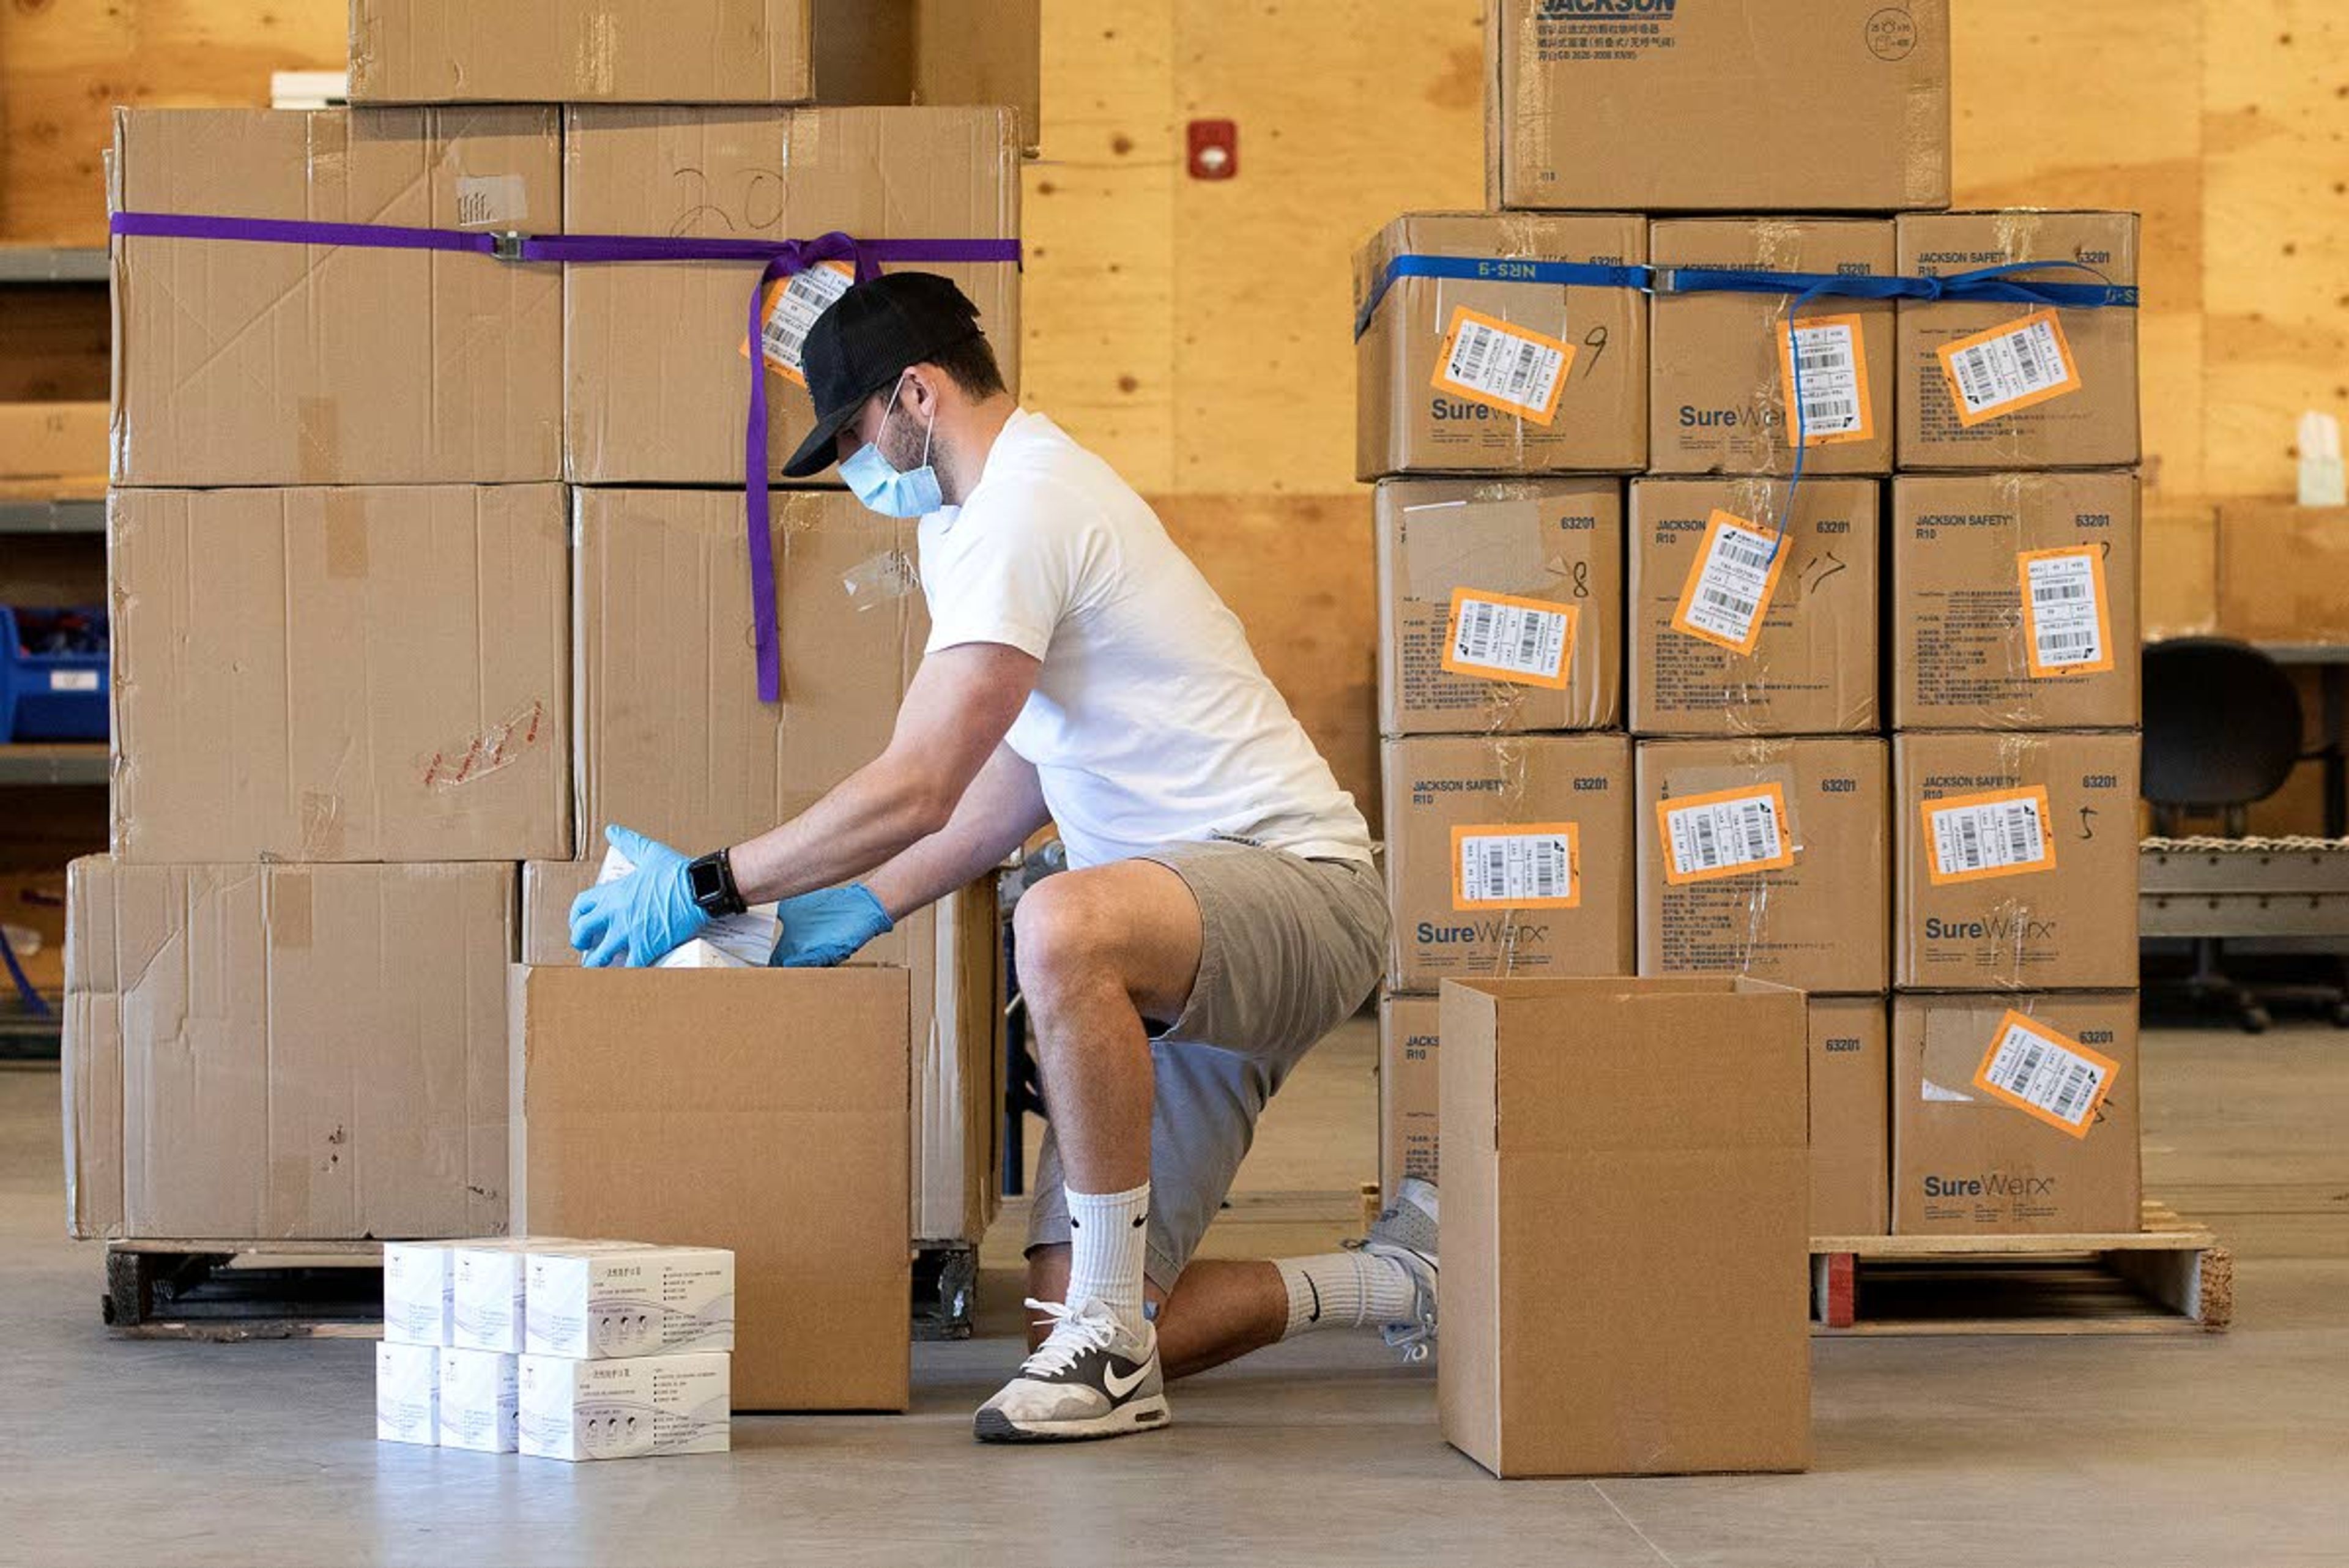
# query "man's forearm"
(870, 817)
(994, 819)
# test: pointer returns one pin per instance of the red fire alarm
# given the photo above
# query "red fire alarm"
(1215, 149)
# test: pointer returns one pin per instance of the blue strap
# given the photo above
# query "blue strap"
(1498, 269)
(1991, 284)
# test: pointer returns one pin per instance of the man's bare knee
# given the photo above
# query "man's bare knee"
(1131, 928)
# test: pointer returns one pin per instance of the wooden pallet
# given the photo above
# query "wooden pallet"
(229, 1290)
(2171, 1277)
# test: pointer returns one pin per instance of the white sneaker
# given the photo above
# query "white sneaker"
(1405, 1232)
(1092, 1377)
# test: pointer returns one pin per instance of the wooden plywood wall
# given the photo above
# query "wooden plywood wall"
(64, 64)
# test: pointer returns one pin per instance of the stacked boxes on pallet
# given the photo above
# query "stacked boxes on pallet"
(410, 605)
(1774, 824)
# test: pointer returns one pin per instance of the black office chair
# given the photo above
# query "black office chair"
(2222, 730)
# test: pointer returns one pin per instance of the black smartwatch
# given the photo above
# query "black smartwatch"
(711, 877)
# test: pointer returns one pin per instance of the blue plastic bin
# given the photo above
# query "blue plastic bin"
(52, 695)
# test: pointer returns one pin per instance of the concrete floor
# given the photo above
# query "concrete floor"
(2229, 1449)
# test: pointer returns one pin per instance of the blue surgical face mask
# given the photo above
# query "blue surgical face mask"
(911, 493)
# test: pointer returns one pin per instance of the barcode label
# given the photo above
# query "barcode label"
(2004, 834)
(73, 679)
(793, 306)
(1512, 368)
(1502, 638)
(2054, 1078)
(1529, 866)
(2009, 368)
(2064, 613)
(1724, 833)
(1834, 408)
(1729, 587)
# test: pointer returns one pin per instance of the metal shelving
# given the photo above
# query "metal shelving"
(65, 764)
(51, 264)
(77, 515)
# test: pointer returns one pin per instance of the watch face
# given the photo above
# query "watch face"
(706, 881)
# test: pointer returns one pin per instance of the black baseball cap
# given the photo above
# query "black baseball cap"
(865, 341)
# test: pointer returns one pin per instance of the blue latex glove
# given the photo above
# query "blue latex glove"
(638, 918)
(820, 929)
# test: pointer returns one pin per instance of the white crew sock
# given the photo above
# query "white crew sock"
(1108, 1237)
(1344, 1290)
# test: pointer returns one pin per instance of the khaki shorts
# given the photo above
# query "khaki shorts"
(1291, 948)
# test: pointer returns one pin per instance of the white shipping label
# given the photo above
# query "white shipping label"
(1988, 837)
(1717, 834)
(1995, 372)
(1727, 595)
(792, 309)
(2065, 611)
(1827, 355)
(2040, 1071)
(1512, 637)
(73, 679)
(1516, 868)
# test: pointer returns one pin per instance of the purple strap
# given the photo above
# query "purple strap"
(779, 259)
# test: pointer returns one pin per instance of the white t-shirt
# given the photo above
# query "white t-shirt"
(1151, 722)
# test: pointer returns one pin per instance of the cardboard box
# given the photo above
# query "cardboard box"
(263, 1053)
(557, 51)
(480, 1404)
(1500, 604)
(1719, 375)
(608, 1303)
(1851, 1110)
(2063, 393)
(699, 52)
(642, 1408)
(657, 377)
(1967, 1162)
(1503, 372)
(2016, 859)
(51, 441)
(759, 1110)
(354, 674)
(2180, 569)
(408, 1394)
(1811, 667)
(1507, 856)
(953, 951)
(2283, 572)
(1657, 1125)
(238, 362)
(1407, 1075)
(1968, 650)
(1766, 858)
(1730, 106)
(671, 737)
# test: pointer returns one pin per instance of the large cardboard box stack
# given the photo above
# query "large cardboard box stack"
(1935, 629)
(398, 612)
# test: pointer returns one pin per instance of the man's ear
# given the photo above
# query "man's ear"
(923, 383)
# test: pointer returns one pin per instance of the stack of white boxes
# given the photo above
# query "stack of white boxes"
(556, 1348)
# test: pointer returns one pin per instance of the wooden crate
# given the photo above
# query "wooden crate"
(2171, 1277)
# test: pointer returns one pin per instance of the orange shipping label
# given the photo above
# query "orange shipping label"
(1969, 837)
(1500, 637)
(791, 306)
(1830, 354)
(1728, 590)
(2066, 629)
(2010, 367)
(1724, 833)
(1513, 369)
(2045, 1075)
(1524, 865)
